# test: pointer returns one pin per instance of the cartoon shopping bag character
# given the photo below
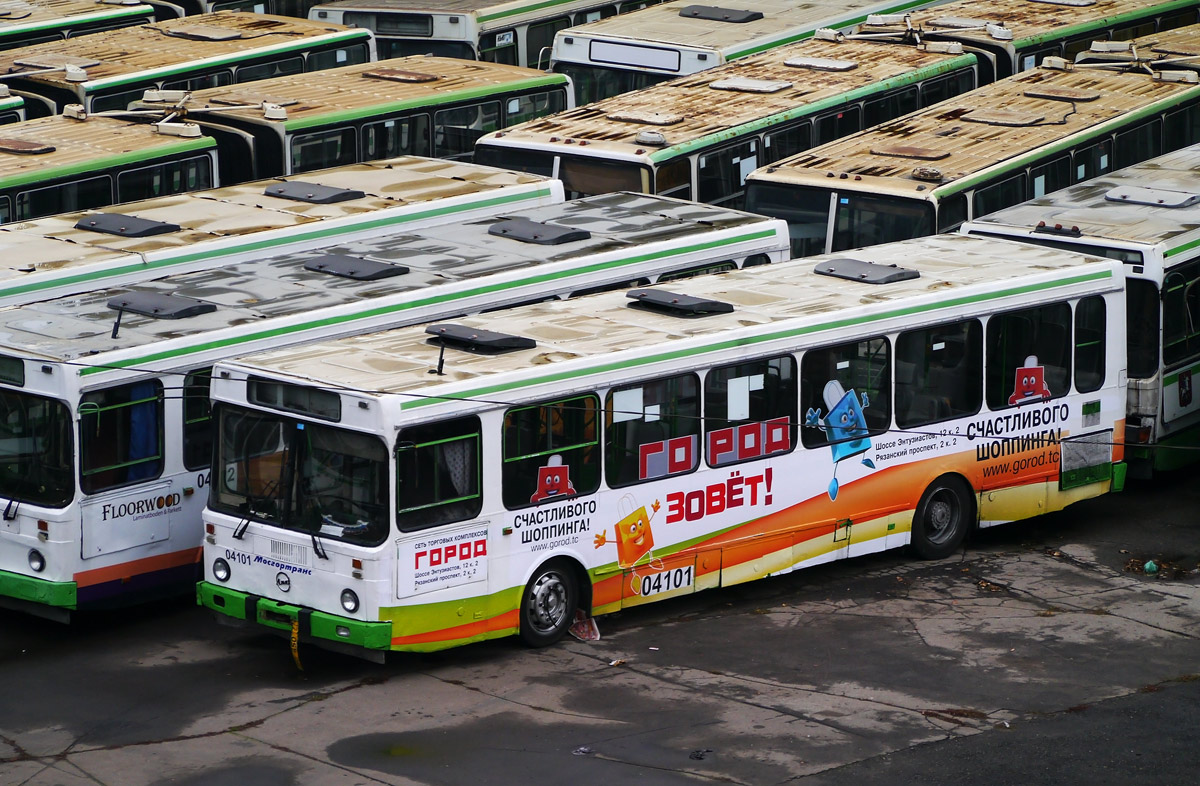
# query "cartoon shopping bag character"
(845, 426)
(553, 480)
(1030, 383)
(634, 538)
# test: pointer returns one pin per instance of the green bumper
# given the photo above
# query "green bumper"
(59, 594)
(312, 625)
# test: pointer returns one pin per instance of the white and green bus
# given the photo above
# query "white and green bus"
(106, 442)
(698, 137)
(1148, 217)
(509, 473)
(111, 69)
(1016, 139)
(55, 20)
(632, 51)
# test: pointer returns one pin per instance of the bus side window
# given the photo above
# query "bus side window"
(214, 79)
(845, 393)
(455, 131)
(169, 177)
(550, 451)
(116, 102)
(5, 209)
(783, 142)
(652, 430)
(535, 105)
(256, 71)
(499, 47)
(891, 105)
(334, 58)
(1142, 327)
(1182, 19)
(750, 410)
(951, 212)
(1028, 355)
(1181, 314)
(1090, 332)
(324, 149)
(939, 373)
(396, 137)
(65, 197)
(1139, 143)
(1182, 127)
(991, 198)
(1092, 161)
(1127, 32)
(837, 125)
(120, 435)
(674, 179)
(721, 174)
(538, 39)
(942, 88)
(1029, 58)
(1050, 176)
(197, 420)
(438, 470)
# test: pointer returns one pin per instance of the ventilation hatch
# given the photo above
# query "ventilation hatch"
(313, 193)
(1155, 197)
(24, 147)
(55, 60)
(399, 75)
(124, 226)
(741, 84)
(477, 339)
(678, 304)
(865, 272)
(1068, 3)
(537, 232)
(1002, 117)
(908, 151)
(646, 118)
(1062, 94)
(821, 63)
(160, 305)
(202, 33)
(714, 13)
(356, 268)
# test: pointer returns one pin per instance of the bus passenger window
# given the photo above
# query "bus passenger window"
(407, 136)
(1181, 314)
(1090, 331)
(438, 474)
(216, 79)
(113, 102)
(1135, 30)
(1006, 193)
(1142, 328)
(1138, 144)
(845, 394)
(1182, 127)
(652, 430)
(1028, 355)
(5, 210)
(784, 142)
(323, 149)
(65, 197)
(951, 212)
(750, 410)
(499, 47)
(674, 179)
(939, 373)
(456, 130)
(550, 451)
(533, 106)
(892, 105)
(120, 435)
(538, 39)
(171, 177)
(1183, 19)
(1092, 161)
(1051, 176)
(335, 58)
(721, 174)
(837, 125)
(253, 73)
(197, 420)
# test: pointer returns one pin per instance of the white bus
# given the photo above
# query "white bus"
(106, 441)
(631, 51)
(1148, 217)
(437, 485)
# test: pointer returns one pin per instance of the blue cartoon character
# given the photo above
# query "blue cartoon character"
(845, 427)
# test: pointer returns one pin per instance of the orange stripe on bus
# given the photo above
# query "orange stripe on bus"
(137, 567)
(469, 630)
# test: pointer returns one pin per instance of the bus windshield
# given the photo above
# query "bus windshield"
(302, 476)
(593, 83)
(861, 220)
(35, 449)
(806, 211)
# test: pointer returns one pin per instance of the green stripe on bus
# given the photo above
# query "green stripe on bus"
(769, 45)
(522, 9)
(1173, 377)
(497, 91)
(749, 341)
(299, 237)
(397, 308)
(1181, 249)
(1069, 31)
(96, 165)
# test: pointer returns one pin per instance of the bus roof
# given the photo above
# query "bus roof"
(356, 91)
(60, 254)
(703, 108)
(446, 269)
(666, 24)
(953, 145)
(482, 10)
(56, 146)
(27, 16)
(1175, 48)
(772, 304)
(1154, 203)
(114, 57)
(1028, 20)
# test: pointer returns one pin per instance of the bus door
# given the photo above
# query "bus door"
(449, 566)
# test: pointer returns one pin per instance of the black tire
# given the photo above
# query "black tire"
(942, 518)
(548, 604)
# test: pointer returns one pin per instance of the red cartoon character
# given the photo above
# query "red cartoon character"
(553, 480)
(1030, 383)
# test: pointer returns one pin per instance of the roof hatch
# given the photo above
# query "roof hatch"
(714, 13)
(647, 118)
(866, 272)
(160, 305)
(540, 233)
(678, 304)
(743, 84)
(124, 226)
(1155, 197)
(1069, 3)
(1062, 94)
(399, 75)
(55, 60)
(1002, 117)
(821, 63)
(314, 193)
(202, 33)
(24, 147)
(355, 268)
(908, 151)
(477, 339)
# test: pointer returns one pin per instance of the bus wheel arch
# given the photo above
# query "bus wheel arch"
(944, 517)
(549, 601)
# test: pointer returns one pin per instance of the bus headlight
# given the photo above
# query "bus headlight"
(36, 561)
(349, 601)
(220, 569)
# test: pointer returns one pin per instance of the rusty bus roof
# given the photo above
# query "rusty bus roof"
(1028, 20)
(1176, 48)
(956, 143)
(120, 56)
(28, 16)
(362, 90)
(700, 109)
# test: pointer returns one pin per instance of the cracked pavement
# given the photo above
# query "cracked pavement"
(827, 676)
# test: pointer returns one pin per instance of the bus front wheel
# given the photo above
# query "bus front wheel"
(548, 604)
(941, 519)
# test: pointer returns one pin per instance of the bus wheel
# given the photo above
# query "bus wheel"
(941, 520)
(548, 605)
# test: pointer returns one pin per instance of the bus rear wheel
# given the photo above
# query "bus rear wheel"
(942, 518)
(548, 604)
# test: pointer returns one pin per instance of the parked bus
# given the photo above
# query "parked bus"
(1176, 49)
(1011, 36)
(102, 511)
(930, 171)
(437, 485)
(78, 252)
(517, 32)
(54, 20)
(632, 51)
(109, 70)
(435, 106)
(1148, 217)
(698, 137)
